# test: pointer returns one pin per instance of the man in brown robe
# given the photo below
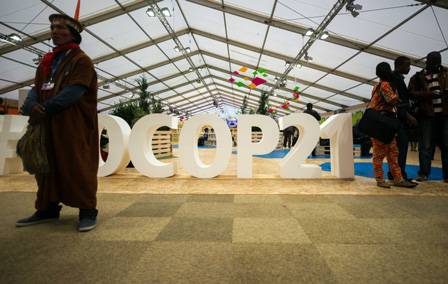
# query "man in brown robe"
(64, 97)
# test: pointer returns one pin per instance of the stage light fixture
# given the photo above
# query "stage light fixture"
(187, 49)
(176, 49)
(309, 32)
(166, 12)
(15, 37)
(324, 35)
(150, 12)
(37, 60)
(353, 8)
(308, 58)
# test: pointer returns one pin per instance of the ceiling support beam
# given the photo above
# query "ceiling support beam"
(171, 32)
(95, 19)
(284, 57)
(260, 18)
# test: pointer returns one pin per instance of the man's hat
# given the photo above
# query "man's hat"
(72, 22)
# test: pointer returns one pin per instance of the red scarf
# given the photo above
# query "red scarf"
(47, 61)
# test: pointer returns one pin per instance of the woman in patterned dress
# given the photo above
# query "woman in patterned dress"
(384, 98)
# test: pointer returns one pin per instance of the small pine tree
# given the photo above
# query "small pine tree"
(244, 106)
(144, 95)
(126, 110)
(156, 105)
(263, 107)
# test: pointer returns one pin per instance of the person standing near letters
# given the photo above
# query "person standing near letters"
(309, 110)
(402, 65)
(384, 99)
(429, 87)
(64, 97)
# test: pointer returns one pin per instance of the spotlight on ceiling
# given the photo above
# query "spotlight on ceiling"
(106, 86)
(11, 39)
(150, 12)
(15, 37)
(287, 63)
(353, 8)
(166, 12)
(187, 49)
(309, 32)
(190, 69)
(276, 79)
(283, 83)
(37, 60)
(324, 35)
(308, 58)
(176, 49)
(299, 65)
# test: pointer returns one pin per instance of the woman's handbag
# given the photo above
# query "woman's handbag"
(379, 125)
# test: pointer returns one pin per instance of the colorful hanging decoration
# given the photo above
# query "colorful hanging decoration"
(272, 109)
(286, 105)
(296, 95)
(247, 82)
(182, 117)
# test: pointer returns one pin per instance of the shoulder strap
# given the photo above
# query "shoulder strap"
(373, 93)
(64, 69)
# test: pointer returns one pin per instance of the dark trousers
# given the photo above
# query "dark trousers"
(287, 139)
(294, 141)
(430, 130)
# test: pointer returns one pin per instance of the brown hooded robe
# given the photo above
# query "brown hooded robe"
(72, 143)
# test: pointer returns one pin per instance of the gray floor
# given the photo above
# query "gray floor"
(231, 239)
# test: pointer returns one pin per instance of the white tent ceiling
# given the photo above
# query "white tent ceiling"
(225, 36)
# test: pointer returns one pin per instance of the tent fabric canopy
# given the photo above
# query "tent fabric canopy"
(224, 36)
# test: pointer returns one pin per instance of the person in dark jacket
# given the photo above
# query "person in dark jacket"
(311, 111)
(203, 138)
(287, 136)
(402, 66)
(429, 87)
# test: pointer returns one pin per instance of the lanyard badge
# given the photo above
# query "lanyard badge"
(49, 86)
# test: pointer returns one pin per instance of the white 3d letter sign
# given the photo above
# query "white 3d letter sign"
(136, 145)
(188, 149)
(246, 148)
(118, 132)
(291, 166)
(140, 146)
(12, 127)
(338, 128)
